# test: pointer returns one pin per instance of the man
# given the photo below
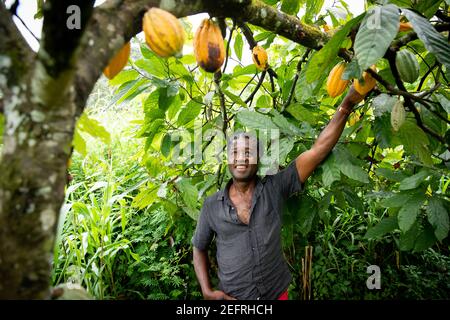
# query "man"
(245, 217)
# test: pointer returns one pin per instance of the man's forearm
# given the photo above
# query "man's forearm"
(201, 269)
(330, 135)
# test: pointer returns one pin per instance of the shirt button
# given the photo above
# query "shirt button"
(253, 248)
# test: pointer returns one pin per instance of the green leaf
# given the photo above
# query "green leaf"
(264, 101)
(396, 201)
(414, 181)
(415, 141)
(94, 128)
(307, 212)
(320, 61)
(385, 226)
(409, 212)
(239, 71)
(313, 7)
(383, 130)
(427, 7)
(344, 162)
(377, 30)
(408, 238)
(301, 113)
(238, 44)
(353, 200)
(290, 6)
(79, 144)
(330, 171)
(433, 40)
(166, 145)
(284, 125)
(234, 98)
(255, 120)
(145, 198)
(438, 218)
(188, 192)
(382, 104)
(352, 70)
(445, 103)
(396, 176)
(425, 238)
(286, 145)
(189, 112)
(123, 77)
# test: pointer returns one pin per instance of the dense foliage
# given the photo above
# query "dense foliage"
(380, 198)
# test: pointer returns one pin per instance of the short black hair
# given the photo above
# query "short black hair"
(249, 135)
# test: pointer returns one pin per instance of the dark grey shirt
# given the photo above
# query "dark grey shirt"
(250, 257)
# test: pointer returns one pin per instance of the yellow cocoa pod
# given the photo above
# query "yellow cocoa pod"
(118, 62)
(163, 33)
(260, 58)
(209, 49)
(335, 84)
(367, 85)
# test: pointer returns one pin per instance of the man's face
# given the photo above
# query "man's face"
(243, 158)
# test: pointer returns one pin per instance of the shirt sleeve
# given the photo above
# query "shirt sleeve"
(203, 232)
(288, 180)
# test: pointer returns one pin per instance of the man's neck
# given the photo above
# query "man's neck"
(243, 187)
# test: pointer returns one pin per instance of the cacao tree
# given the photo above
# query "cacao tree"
(398, 157)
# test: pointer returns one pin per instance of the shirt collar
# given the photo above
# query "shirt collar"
(223, 194)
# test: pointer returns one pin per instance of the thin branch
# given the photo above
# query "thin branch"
(227, 52)
(251, 96)
(297, 75)
(28, 29)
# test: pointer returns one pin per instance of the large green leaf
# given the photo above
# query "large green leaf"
(345, 163)
(238, 44)
(438, 217)
(386, 225)
(330, 171)
(307, 212)
(284, 125)
(425, 239)
(320, 61)
(397, 200)
(377, 30)
(427, 7)
(79, 144)
(414, 181)
(189, 112)
(383, 130)
(415, 141)
(290, 6)
(189, 192)
(409, 212)
(313, 7)
(382, 104)
(433, 40)
(94, 128)
(123, 77)
(255, 120)
(408, 238)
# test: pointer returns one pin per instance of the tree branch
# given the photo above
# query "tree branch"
(297, 75)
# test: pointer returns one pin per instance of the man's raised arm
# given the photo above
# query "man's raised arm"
(310, 159)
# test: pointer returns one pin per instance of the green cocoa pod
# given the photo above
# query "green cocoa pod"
(407, 66)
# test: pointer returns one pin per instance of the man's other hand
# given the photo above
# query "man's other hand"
(217, 295)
